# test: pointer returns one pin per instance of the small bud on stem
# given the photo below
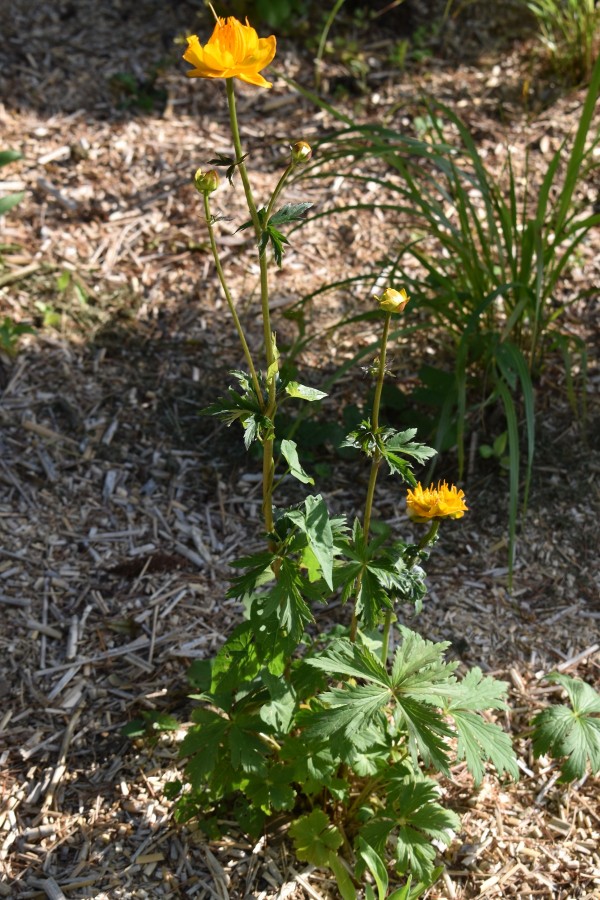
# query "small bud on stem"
(206, 182)
(301, 152)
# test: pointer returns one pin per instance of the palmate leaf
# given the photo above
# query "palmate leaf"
(478, 740)
(279, 711)
(426, 732)
(420, 670)
(247, 750)
(349, 711)
(289, 213)
(398, 444)
(571, 733)
(315, 837)
(415, 816)
(346, 658)
(273, 790)
(283, 607)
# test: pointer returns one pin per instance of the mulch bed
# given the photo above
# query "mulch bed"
(121, 508)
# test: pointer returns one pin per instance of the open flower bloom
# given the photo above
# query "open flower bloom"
(392, 300)
(232, 51)
(441, 502)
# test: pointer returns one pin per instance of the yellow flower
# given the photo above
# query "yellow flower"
(441, 502)
(232, 51)
(393, 301)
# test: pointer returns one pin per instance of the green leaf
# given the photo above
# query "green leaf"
(272, 791)
(426, 731)
(202, 744)
(303, 392)
(282, 611)
(420, 670)
(376, 866)
(401, 442)
(314, 838)
(479, 692)
(346, 658)
(317, 527)
(571, 733)
(290, 454)
(9, 156)
(342, 877)
(246, 748)
(279, 712)
(351, 709)
(289, 213)
(479, 741)
(7, 203)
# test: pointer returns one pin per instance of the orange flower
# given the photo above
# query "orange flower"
(232, 51)
(443, 502)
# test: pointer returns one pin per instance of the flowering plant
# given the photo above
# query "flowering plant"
(336, 729)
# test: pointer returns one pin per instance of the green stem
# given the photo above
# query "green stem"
(277, 191)
(230, 303)
(377, 457)
(235, 133)
(268, 465)
(428, 538)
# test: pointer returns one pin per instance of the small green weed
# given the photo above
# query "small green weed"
(10, 334)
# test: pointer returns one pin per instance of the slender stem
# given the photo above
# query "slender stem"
(268, 465)
(230, 303)
(377, 457)
(380, 373)
(277, 191)
(235, 133)
(428, 538)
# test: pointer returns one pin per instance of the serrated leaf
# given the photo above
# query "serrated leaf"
(289, 213)
(479, 741)
(426, 732)
(315, 837)
(289, 452)
(570, 733)
(583, 697)
(283, 606)
(415, 853)
(247, 750)
(202, 744)
(273, 790)
(419, 668)
(316, 525)
(350, 710)
(303, 392)
(346, 658)
(279, 712)
(476, 692)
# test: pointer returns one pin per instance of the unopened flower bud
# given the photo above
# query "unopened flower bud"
(206, 182)
(301, 152)
(393, 301)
